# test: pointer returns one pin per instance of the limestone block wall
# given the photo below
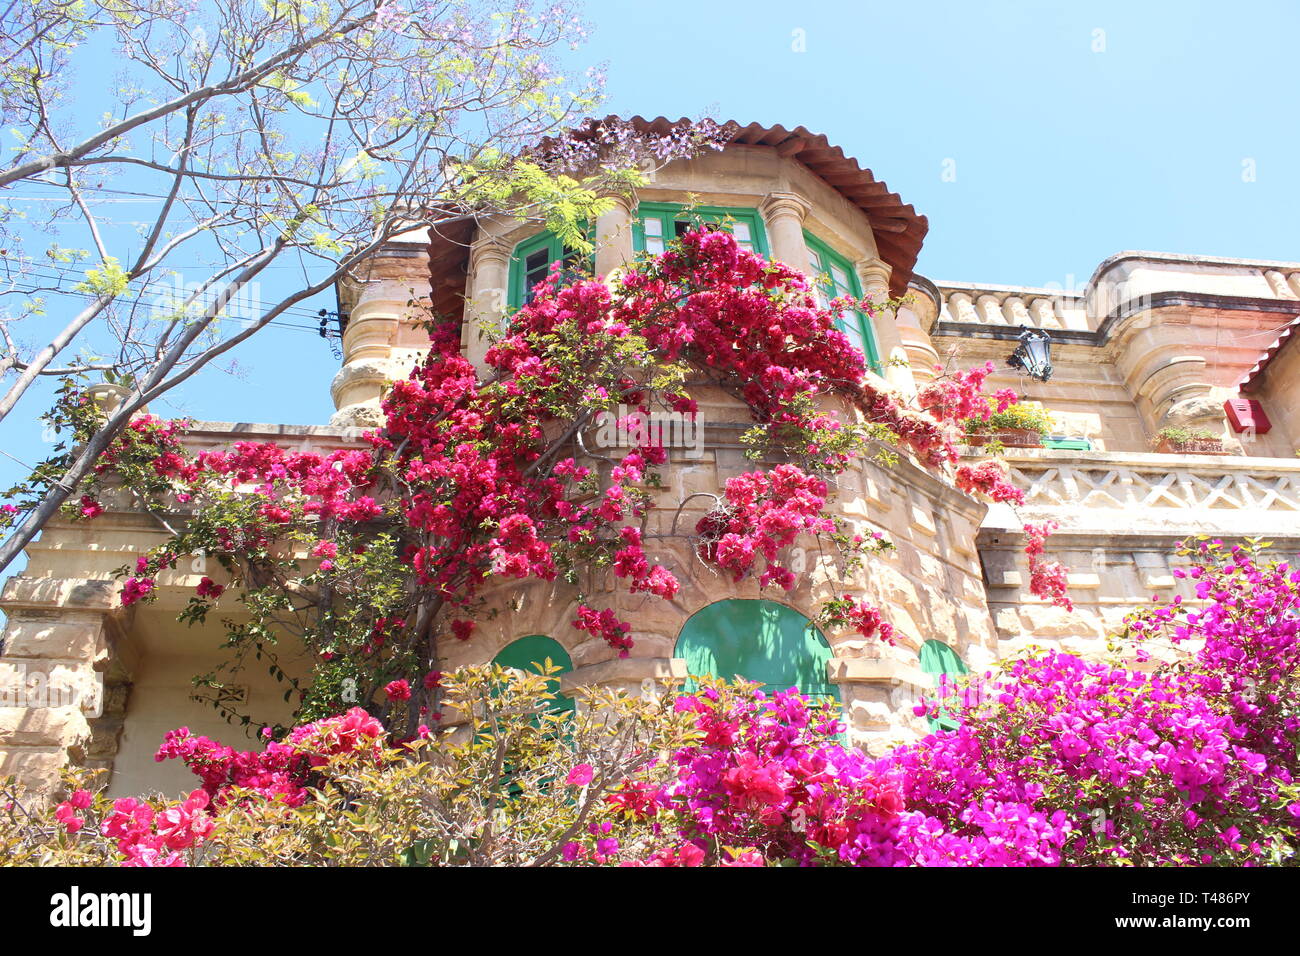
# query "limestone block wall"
(1154, 341)
(65, 629)
(1120, 516)
(62, 698)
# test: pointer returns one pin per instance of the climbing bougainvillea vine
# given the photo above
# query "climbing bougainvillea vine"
(371, 556)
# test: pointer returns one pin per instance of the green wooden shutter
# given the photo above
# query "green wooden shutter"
(937, 659)
(531, 263)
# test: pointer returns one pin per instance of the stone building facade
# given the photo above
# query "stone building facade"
(1151, 341)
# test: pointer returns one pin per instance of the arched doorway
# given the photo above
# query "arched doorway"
(762, 641)
(939, 660)
(529, 653)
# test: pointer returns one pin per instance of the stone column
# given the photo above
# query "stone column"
(385, 311)
(488, 295)
(874, 276)
(913, 321)
(57, 641)
(358, 387)
(783, 215)
(614, 235)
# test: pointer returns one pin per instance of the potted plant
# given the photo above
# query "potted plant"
(1016, 426)
(1177, 440)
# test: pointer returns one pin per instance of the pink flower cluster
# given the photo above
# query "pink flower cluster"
(145, 836)
(763, 513)
(989, 478)
(280, 771)
(960, 395)
(605, 625)
(1047, 579)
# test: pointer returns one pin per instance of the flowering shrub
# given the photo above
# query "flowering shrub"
(1001, 414)
(1055, 761)
(511, 780)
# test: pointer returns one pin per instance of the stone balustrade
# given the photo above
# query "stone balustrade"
(1014, 306)
(1120, 517)
(1149, 493)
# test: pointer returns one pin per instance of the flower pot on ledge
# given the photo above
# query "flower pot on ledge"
(1200, 446)
(1009, 437)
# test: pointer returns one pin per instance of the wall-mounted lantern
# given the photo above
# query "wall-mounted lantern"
(1033, 355)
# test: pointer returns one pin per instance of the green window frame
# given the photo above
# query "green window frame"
(938, 660)
(836, 277)
(531, 262)
(768, 643)
(658, 223)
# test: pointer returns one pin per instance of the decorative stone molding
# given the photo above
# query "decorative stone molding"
(1000, 306)
(1279, 283)
(624, 671)
(852, 670)
(990, 310)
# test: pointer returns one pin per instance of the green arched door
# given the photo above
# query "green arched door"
(761, 641)
(529, 653)
(939, 660)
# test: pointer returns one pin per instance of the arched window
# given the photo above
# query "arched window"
(531, 263)
(528, 653)
(659, 223)
(761, 641)
(838, 278)
(940, 660)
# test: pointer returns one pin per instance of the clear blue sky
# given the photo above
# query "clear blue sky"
(1063, 154)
